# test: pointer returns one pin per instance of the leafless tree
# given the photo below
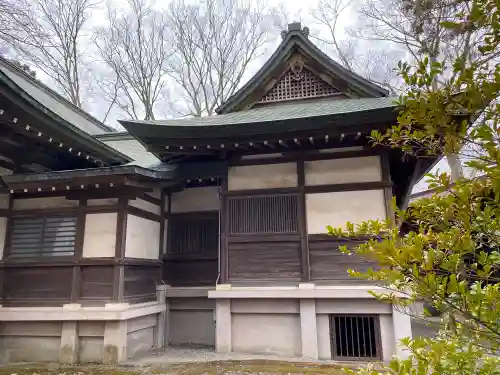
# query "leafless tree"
(216, 41)
(136, 45)
(375, 64)
(48, 34)
(419, 27)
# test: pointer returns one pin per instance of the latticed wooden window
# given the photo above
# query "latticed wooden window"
(355, 337)
(263, 214)
(193, 233)
(308, 85)
(42, 236)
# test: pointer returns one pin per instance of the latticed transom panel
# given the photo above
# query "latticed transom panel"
(291, 87)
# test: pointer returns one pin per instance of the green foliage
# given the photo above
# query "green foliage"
(446, 250)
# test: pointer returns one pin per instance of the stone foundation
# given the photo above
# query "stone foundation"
(294, 321)
(75, 334)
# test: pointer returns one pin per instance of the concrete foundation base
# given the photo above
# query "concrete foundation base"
(296, 321)
(109, 335)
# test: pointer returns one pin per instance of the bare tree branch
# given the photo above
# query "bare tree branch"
(48, 34)
(215, 42)
(371, 63)
(135, 45)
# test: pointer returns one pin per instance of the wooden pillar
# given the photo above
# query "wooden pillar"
(121, 233)
(80, 234)
(386, 177)
(223, 261)
(302, 221)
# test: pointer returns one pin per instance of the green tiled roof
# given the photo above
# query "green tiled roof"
(286, 111)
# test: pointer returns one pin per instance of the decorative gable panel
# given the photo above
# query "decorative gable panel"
(295, 85)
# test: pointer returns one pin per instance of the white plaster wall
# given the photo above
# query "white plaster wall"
(3, 232)
(341, 171)
(196, 199)
(145, 205)
(336, 209)
(266, 333)
(266, 176)
(323, 327)
(142, 239)
(100, 235)
(52, 202)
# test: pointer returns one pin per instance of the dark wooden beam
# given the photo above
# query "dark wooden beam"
(80, 234)
(306, 155)
(224, 226)
(305, 264)
(386, 176)
(121, 235)
(161, 250)
(352, 186)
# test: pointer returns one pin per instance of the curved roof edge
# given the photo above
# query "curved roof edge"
(295, 36)
(54, 95)
(58, 123)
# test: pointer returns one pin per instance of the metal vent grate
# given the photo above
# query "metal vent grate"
(263, 214)
(290, 88)
(354, 337)
(42, 236)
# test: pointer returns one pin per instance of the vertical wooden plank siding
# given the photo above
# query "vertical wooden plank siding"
(224, 225)
(301, 215)
(121, 232)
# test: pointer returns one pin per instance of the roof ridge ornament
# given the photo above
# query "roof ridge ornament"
(295, 27)
(296, 67)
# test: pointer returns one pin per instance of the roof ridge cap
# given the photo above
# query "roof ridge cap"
(54, 94)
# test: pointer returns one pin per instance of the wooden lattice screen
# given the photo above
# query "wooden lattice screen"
(308, 85)
(193, 234)
(263, 214)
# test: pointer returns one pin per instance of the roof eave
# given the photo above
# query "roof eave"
(70, 130)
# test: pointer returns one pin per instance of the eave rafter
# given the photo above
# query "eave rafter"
(169, 149)
(83, 184)
(20, 126)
